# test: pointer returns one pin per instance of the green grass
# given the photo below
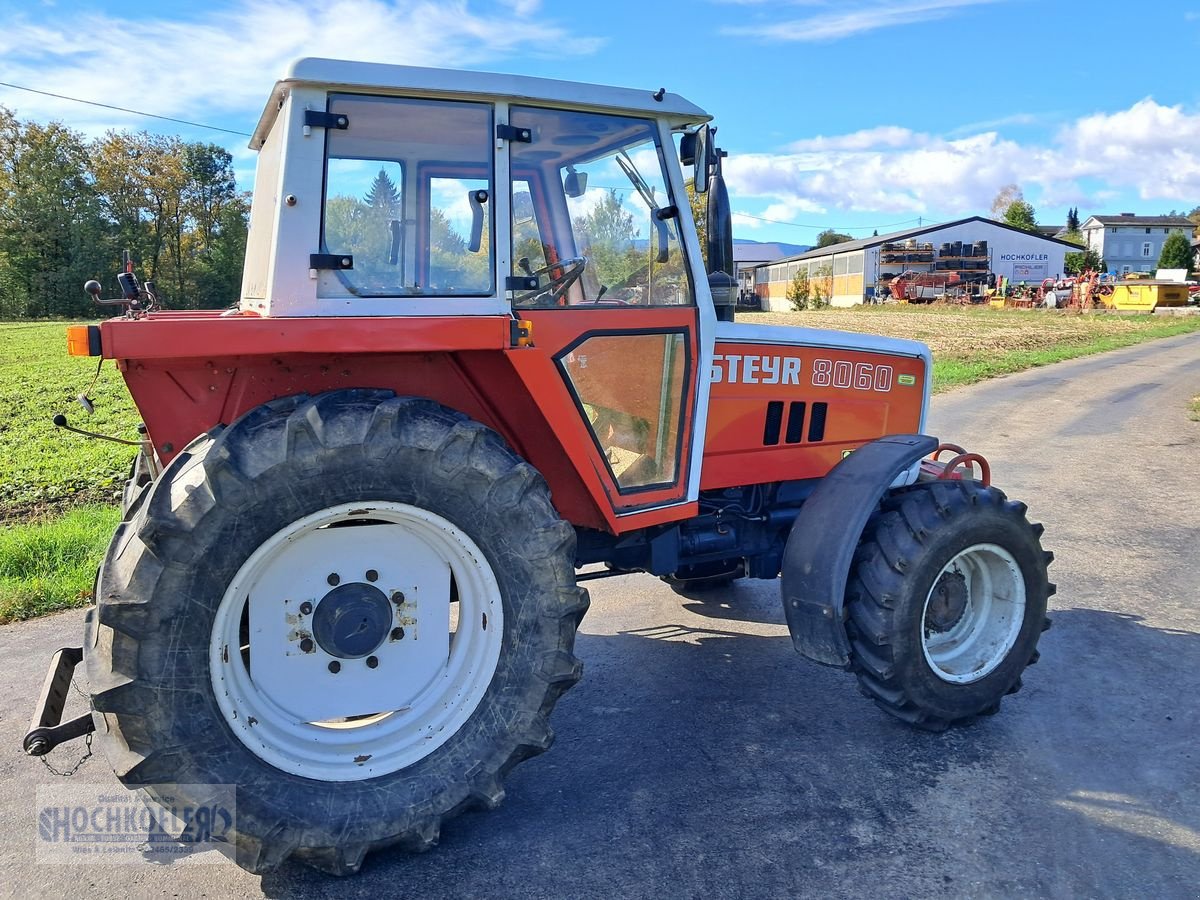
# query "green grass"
(955, 372)
(50, 565)
(44, 469)
(1194, 409)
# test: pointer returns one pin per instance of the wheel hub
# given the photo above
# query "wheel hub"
(352, 620)
(947, 602)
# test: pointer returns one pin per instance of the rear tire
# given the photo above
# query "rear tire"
(135, 486)
(175, 699)
(946, 602)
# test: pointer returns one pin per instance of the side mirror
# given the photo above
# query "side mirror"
(575, 183)
(694, 150)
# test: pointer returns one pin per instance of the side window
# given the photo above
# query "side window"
(408, 192)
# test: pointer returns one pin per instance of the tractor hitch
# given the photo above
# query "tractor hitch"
(46, 729)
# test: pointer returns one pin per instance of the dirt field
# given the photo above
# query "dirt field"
(966, 332)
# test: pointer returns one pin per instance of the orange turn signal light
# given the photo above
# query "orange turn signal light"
(522, 333)
(83, 340)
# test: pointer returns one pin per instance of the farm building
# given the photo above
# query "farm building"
(969, 251)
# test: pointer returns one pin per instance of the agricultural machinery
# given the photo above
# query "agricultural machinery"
(478, 359)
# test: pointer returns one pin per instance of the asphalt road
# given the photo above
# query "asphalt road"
(701, 757)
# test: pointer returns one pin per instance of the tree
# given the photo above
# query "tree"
(383, 194)
(1020, 214)
(51, 224)
(1072, 219)
(1085, 259)
(822, 287)
(610, 232)
(828, 237)
(1005, 197)
(1176, 252)
(798, 290)
(69, 206)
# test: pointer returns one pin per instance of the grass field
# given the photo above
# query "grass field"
(58, 490)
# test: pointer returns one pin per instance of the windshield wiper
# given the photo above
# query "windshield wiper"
(660, 214)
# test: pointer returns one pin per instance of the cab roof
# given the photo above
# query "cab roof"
(337, 74)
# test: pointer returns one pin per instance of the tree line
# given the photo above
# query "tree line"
(70, 205)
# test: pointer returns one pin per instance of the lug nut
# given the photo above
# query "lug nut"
(397, 634)
(335, 666)
(305, 608)
(306, 645)
(372, 575)
(398, 597)
(372, 662)
(333, 579)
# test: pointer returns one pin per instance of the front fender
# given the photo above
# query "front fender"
(821, 545)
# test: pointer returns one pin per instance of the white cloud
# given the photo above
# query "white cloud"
(852, 18)
(879, 137)
(223, 60)
(1149, 149)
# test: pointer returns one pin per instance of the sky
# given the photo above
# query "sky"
(856, 115)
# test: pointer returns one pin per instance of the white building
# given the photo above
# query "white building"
(975, 247)
(1129, 243)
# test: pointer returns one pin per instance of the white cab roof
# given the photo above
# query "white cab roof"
(337, 74)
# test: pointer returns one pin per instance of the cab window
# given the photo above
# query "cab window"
(408, 192)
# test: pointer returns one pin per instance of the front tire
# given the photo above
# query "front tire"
(946, 602)
(240, 637)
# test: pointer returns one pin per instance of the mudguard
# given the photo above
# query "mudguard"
(821, 545)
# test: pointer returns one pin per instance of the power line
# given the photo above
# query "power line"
(136, 112)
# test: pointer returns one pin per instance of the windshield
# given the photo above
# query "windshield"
(594, 220)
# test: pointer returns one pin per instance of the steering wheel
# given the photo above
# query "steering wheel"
(568, 271)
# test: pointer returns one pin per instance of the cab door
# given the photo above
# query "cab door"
(599, 267)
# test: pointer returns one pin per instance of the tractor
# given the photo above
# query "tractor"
(480, 357)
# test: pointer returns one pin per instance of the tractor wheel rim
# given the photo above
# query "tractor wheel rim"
(400, 691)
(978, 640)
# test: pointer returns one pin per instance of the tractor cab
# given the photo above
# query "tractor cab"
(386, 190)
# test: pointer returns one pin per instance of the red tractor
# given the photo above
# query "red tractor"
(477, 350)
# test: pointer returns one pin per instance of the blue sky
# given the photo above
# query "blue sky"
(853, 114)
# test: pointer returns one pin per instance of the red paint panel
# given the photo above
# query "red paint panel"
(171, 337)
(863, 394)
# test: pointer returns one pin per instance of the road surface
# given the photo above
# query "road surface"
(701, 757)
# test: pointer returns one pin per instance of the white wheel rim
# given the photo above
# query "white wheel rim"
(418, 694)
(975, 643)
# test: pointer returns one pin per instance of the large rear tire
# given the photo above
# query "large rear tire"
(357, 608)
(946, 602)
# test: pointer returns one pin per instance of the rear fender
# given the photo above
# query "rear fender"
(820, 548)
